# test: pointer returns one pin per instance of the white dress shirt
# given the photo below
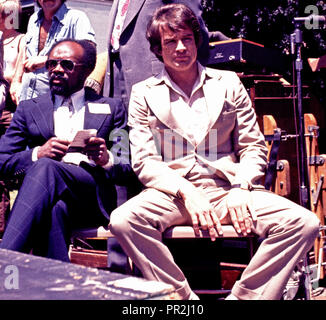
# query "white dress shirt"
(67, 124)
(190, 113)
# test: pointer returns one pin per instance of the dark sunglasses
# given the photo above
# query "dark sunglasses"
(66, 65)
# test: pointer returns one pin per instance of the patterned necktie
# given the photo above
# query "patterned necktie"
(67, 102)
(118, 24)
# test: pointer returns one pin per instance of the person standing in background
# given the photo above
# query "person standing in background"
(51, 23)
(3, 83)
(12, 39)
(13, 45)
(4, 192)
(129, 57)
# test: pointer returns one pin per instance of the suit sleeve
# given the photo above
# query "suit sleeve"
(248, 140)
(118, 144)
(15, 158)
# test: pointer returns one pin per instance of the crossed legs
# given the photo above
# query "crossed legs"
(40, 219)
(288, 230)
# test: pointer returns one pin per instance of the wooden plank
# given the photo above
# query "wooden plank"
(282, 181)
(187, 232)
(282, 184)
(317, 173)
(89, 258)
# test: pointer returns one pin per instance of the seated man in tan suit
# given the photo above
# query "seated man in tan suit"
(197, 148)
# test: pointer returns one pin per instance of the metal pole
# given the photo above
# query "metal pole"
(303, 171)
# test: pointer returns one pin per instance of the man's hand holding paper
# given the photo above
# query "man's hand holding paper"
(97, 151)
(87, 147)
(54, 148)
(78, 144)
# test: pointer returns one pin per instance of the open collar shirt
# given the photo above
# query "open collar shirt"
(66, 126)
(191, 112)
(66, 23)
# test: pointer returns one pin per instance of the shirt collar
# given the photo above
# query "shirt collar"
(77, 98)
(59, 15)
(202, 74)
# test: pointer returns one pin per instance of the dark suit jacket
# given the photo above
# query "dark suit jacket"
(33, 125)
(138, 62)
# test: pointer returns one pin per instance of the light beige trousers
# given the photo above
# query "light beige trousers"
(288, 230)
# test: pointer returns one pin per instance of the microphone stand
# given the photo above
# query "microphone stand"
(296, 45)
(303, 174)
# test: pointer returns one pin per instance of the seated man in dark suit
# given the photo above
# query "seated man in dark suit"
(63, 188)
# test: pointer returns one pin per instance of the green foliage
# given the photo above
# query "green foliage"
(270, 22)
(267, 22)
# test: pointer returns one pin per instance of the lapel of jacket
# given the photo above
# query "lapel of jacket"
(214, 92)
(43, 115)
(158, 99)
(133, 9)
(93, 120)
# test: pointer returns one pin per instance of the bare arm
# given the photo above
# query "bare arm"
(33, 63)
(15, 86)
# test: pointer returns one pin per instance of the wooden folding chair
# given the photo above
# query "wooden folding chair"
(317, 173)
(280, 184)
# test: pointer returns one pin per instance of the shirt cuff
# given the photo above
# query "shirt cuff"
(34, 154)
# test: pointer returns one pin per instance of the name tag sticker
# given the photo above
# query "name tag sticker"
(99, 108)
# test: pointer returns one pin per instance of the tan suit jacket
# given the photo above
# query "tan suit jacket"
(234, 150)
(162, 154)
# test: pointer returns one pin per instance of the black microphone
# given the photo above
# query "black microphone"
(311, 19)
